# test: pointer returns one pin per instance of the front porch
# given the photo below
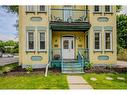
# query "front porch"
(69, 51)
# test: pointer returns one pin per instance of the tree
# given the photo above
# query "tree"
(122, 30)
(12, 9)
(118, 8)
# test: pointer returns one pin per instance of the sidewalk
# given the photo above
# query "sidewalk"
(77, 82)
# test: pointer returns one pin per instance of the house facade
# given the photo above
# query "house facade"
(67, 34)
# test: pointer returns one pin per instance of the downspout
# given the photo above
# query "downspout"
(49, 48)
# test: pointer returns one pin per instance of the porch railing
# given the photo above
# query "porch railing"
(84, 53)
(80, 59)
(69, 15)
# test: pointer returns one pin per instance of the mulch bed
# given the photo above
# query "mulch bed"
(19, 71)
(100, 69)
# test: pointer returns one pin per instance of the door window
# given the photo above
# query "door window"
(66, 44)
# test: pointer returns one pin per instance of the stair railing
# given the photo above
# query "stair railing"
(80, 58)
(61, 63)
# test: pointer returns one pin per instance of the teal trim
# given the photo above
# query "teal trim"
(36, 58)
(103, 19)
(97, 28)
(103, 57)
(30, 28)
(108, 28)
(41, 28)
(36, 19)
(56, 63)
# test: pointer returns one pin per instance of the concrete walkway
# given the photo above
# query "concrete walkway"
(121, 63)
(77, 82)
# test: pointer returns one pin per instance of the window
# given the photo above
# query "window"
(108, 8)
(96, 8)
(108, 41)
(42, 41)
(41, 8)
(30, 8)
(30, 40)
(97, 41)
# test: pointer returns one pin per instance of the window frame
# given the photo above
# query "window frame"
(100, 9)
(39, 32)
(109, 8)
(110, 41)
(27, 41)
(34, 8)
(38, 9)
(100, 44)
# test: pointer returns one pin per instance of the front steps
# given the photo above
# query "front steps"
(72, 67)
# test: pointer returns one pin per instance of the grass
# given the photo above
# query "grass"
(52, 81)
(102, 83)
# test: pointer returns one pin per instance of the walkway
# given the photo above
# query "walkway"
(77, 82)
(122, 64)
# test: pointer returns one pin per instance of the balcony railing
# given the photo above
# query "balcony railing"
(69, 15)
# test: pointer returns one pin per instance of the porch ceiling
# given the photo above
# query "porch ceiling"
(66, 26)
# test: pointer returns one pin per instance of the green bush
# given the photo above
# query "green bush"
(89, 65)
(29, 68)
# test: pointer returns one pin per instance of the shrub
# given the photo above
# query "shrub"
(29, 68)
(89, 65)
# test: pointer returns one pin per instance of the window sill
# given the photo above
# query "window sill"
(30, 50)
(97, 12)
(108, 12)
(45, 51)
(41, 12)
(97, 50)
(108, 51)
(30, 12)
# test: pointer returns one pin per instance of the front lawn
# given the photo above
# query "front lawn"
(103, 83)
(52, 81)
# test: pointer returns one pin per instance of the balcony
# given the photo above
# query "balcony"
(69, 19)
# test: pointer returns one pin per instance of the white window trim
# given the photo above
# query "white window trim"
(100, 45)
(110, 8)
(38, 9)
(39, 41)
(110, 40)
(27, 44)
(34, 8)
(100, 8)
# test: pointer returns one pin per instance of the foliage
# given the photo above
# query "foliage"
(118, 8)
(38, 81)
(12, 9)
(8, 68)
(89, 65)
(122, 30)
(102, 83)
(29, 68)
(9, 43)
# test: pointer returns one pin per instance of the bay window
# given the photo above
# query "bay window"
(41, 41)
(30, 41)
(97, 41)
(97, 8)
(108, 8)
(30, 8)
(108, 41)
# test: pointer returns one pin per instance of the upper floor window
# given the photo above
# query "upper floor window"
(30, 8)
(97, 40)
(30, 41)
(108, 8)
(97, 8)
(108, 40)
(41, 8)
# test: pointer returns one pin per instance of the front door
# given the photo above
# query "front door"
(68, 47)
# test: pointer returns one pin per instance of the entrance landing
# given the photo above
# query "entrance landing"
(77, 82)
